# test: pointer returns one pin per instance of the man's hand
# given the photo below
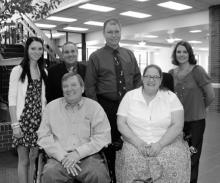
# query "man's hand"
(71, 159)
(74, 169)
(71, 163)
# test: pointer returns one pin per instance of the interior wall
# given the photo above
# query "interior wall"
(162, 58)
(203, 59)
(73, 37)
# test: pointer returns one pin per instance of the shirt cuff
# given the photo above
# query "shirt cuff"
(59, 156)
(83, 151)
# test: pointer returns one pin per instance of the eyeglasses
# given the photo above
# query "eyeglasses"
(155, 77)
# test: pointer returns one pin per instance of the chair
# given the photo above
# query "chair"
(42, 159)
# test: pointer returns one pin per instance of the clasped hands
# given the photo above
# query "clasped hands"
(71, 163)
(149, 150)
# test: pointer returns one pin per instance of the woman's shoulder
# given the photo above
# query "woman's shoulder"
(198, 69)
(16, 69)
(167, 94)
(135, 91)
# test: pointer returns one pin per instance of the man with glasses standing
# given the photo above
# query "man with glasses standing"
(111, 72)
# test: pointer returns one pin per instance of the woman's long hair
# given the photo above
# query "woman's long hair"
(25, 64)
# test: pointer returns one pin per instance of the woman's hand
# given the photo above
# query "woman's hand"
(155, 149)
(143, 148)
(17, 133)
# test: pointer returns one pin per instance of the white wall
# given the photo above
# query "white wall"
(162, 58)
(203, 59)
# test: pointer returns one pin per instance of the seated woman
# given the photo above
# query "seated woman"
(150, 120)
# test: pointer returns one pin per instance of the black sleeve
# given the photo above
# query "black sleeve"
(49, 88)
(53, 88)
(167, 81)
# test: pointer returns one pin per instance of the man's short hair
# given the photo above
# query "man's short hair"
(69, 42)
(112, 21)
(71, 74)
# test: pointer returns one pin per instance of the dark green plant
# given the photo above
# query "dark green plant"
(37, 11)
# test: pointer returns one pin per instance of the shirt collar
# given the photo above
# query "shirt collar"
(75, 106)
(139, 96)
(71, 67)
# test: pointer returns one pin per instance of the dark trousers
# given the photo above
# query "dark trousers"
(196, 130)
(111, 108)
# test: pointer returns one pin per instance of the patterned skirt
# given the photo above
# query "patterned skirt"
(172, 165)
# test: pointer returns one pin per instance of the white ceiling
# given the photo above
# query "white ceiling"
(149, 7)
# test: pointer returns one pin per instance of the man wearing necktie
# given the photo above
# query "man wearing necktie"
(56, 72)
(111, 72)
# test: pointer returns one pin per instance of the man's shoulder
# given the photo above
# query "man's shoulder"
(98, 52)
(122, 49)
(125, 49)
(81, 64)
(90, 101)
(54, 103)
(55, 66)
(91, 104)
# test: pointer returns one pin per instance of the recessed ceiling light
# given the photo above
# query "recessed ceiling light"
(141, 0)
(195, 31)
(55, 35)
(142, 43)
(94, 23)
(75, 28)
(175, 6)
(95, 7)
(172, 40)
(150, 36)
(195, 42)
(45, 25)
(61, 19)
(135, 14)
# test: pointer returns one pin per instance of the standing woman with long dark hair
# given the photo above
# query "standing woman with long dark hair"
(26, 102)
(193, 87)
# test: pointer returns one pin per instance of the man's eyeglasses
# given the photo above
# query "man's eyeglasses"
(155, 77)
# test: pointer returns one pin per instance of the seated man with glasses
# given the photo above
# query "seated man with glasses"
(72, 132)
(150, 120)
